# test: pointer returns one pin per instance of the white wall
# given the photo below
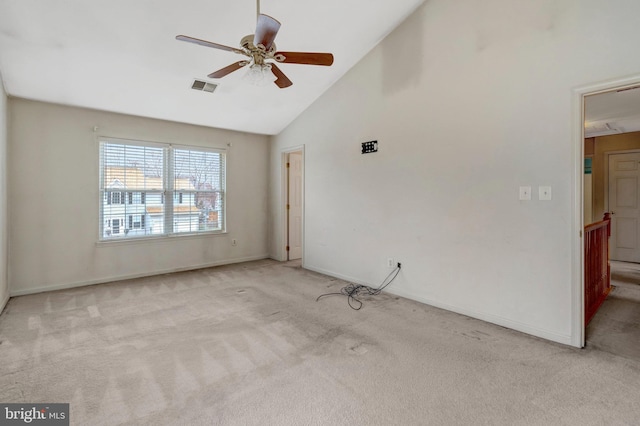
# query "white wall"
(468, 100)
(53, 175)
(4, 283)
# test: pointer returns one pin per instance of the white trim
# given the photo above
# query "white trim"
(577, 196)
(284, 191)
(133, 276)
(169, 186)
(5, 261)
(577, 222)
(494, 319)
(134, 142)
(3, 303)
(168, 190)
(159, 238)
(6, 94)
(156, 144)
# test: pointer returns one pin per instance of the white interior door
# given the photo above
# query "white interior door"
(295, 205)
(624, 194)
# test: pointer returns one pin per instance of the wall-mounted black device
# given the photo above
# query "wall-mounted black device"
(368, 147)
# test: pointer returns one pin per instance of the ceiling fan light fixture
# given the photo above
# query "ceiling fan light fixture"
(260, 75)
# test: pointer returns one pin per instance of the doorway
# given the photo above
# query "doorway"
(601, 110)
(293, 206)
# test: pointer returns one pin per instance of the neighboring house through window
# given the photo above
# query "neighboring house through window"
(157, 190)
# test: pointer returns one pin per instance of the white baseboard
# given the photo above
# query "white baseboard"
(494, 319)
(132, 276)
(336, 275)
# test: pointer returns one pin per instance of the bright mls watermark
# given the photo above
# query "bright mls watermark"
(34, 414)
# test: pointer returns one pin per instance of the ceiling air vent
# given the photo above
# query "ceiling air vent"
(600, 129)
(203, 86)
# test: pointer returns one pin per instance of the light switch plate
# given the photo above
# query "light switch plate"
(525, 193)
(544, 193)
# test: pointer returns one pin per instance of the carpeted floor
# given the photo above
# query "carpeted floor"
(248, 344)
(616, 326)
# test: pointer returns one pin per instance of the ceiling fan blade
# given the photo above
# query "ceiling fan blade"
(208, 44)
(306, 58)
(228, 69)
(282, 80)
(266, 31)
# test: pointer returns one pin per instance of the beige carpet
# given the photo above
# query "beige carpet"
(616, 326)
(248, 345)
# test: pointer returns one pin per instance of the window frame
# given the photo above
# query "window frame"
(167, 194)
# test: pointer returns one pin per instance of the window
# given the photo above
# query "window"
(135, 221)
(116, 198)
(159, 190)
(136, 197)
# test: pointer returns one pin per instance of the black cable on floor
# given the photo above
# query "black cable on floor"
(356, 291)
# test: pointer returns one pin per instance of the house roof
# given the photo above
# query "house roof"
(176, 210)
(131, 178)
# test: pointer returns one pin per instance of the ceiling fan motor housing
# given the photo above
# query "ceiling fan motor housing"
(247, 43)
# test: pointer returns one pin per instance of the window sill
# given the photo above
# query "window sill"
(159, 238)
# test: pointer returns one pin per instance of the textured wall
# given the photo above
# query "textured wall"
(4, 283)
(468, 100)
(54, 192)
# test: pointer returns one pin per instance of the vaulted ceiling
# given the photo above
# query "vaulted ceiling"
(122, 55)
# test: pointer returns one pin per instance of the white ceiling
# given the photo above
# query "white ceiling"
(122, 56)
(612, 112)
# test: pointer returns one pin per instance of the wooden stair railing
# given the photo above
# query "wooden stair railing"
(597, 273)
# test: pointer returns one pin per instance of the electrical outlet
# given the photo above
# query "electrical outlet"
(525, 193)
(544, 193)
(390, 263)
(234, 242)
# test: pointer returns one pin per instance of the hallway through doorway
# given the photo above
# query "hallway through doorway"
(616, 326)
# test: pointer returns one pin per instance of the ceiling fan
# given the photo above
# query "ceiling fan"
(260, 48)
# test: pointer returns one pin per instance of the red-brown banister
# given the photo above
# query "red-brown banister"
(597, 269)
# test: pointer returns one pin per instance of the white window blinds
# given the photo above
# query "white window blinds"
(198, 185)
(155, 190)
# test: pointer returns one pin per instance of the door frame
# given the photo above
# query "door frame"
(284, 191)
(577, 196)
